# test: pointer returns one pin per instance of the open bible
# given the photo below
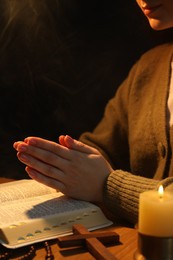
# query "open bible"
(31, 212)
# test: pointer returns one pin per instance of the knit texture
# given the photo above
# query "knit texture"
(133, 134)
(121, 195)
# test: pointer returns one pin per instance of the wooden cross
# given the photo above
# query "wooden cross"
(94, 241)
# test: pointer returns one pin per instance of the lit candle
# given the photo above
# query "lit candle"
(156, 213)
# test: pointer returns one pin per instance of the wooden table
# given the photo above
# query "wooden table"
(123, 251)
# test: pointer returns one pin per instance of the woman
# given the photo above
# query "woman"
(130, 150)
(55, 57)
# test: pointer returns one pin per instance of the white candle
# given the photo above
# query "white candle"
(156, 213)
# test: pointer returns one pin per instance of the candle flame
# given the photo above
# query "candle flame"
(161, 191)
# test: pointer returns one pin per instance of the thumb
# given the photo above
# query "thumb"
(74, 144)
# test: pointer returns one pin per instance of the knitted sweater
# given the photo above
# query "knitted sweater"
(134, 135)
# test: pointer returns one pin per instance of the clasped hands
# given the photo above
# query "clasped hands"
(72, 167)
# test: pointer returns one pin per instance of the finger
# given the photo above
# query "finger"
(40, 166)
(65, 140)
(61, 140)
(79, 146)
(55, 184)
(43, 155)
(46, 145)
(15, 144)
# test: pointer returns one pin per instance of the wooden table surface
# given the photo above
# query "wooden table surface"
(123, 251)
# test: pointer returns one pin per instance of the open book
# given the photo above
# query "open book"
(31, 212)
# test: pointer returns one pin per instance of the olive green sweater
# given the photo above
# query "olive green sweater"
(134, 134)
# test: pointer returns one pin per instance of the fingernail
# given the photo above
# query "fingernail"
(69, 138)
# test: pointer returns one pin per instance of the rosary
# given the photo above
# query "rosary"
(26, 253)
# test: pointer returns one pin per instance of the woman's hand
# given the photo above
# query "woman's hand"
(72, 167)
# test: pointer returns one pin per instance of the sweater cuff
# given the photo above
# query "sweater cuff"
(121, 193)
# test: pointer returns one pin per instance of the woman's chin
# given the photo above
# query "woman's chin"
(157, 25)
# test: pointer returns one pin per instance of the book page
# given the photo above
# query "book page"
(31, 212)
(21, 189)
(39, 207)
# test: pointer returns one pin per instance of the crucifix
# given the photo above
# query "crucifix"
(94, 241)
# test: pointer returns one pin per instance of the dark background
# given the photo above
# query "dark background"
(59, 68)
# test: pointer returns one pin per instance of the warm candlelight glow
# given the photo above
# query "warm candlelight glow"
(161, 191)
(156, 213)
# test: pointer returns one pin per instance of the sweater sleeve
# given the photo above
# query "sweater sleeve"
(134, 161)
(121, 193)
